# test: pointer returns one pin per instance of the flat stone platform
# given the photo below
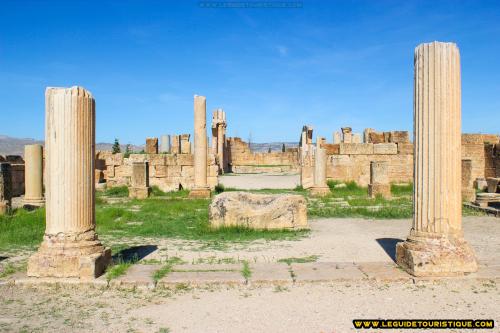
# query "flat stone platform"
(140, 276)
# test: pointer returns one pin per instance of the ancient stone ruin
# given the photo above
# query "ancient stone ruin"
(33, 156)
(139, 187)
(436, 245)
(258, 211)
(70, 246)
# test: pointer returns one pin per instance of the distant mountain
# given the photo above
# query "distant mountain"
(15, 146)
(275, 146)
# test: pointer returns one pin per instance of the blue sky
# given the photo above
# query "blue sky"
(328, 64)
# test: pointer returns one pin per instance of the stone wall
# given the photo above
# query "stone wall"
(17, 164)
(242, 160)
(351, 161)
(170, 172)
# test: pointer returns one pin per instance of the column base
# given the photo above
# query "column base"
(82, 259)
(33, 202)
(319, 191)
(139, 192)
(200, 193)
(379, 189)
(436, 255)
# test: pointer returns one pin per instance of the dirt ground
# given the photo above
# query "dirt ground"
(327, 308)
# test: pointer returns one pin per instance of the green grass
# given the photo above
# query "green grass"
(299, 260)
(167, 268)
(118, 270)
(118, 191)
(22, 229)
(403, 189)
(246, 271)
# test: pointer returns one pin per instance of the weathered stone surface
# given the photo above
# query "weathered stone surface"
(493, 183)
(70, 246)
(376, 137)
(399, 137)
(258, 211)
(151, 146)
(33, 170)
(405, 148)
(356, 148)
(379, 180)
(435, 246)
(201, 189)
(139, 185)
(385, 148)
(468, 192)
(5, 187)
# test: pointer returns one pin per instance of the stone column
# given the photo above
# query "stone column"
(356, 138)
(436, 246)
(346, 134)
(200, 189)
(139, 184)
(151, 146)
(468, 192)
(319, 188)
(337, 138)
(165, 144)
(70, 246)
(5, 187)
(33, 175)
(379, 180)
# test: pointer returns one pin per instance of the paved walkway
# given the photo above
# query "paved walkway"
(260, 181)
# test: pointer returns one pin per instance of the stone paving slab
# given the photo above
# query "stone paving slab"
(195, 278)
(137, 276)
(382, 271)
(270, 273)
(140, 276)
(326, 271)
(207, 267)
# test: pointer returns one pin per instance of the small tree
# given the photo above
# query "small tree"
(116, 147)
(128, 151)
(283, 149)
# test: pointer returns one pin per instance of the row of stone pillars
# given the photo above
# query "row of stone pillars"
(435, 246)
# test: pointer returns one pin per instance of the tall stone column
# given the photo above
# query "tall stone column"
(165, 144)
(200, 189)
(139, 186)
(33, 175)
(435, 246)
(70, 246)
(320, 187)
(5, 187)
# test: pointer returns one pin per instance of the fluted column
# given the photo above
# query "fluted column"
(200, 189)
(320, 188)
(436, 245)
(33, 175)
(70, 247)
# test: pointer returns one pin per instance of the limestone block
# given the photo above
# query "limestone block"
(399, 137)
(114, 159)
(405, 148)
(139, 192)
(171, 160)
(110, 171)
(387, 136)
(385, 148)
(156, 159)
(492, 184)
(185, 147)
(135, 158)
(355, 148)
(185, 159)
(383, 190)
(258, 211)
(174, 171)
(376, 137)
(160, 171)
(151, 146)
(213, 171)
(187, 172)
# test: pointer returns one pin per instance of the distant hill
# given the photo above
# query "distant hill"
(275, 146)
(15, 146)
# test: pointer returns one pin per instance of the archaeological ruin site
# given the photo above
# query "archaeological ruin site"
(207, 232)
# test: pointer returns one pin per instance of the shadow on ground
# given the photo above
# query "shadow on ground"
(134, 253)
(389, 246)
